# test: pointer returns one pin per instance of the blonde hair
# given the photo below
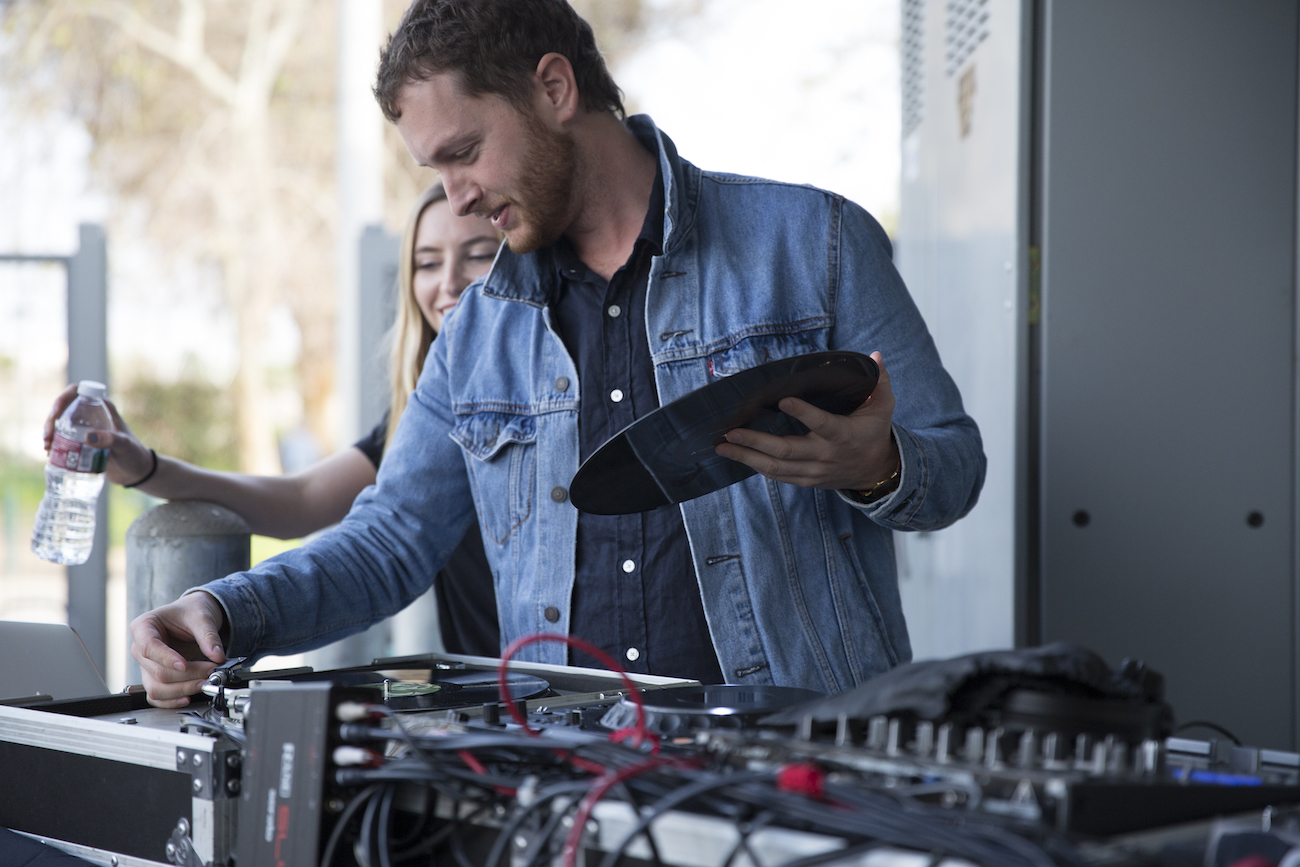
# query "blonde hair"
(412, 334)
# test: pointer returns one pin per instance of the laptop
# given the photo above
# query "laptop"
(45, 659)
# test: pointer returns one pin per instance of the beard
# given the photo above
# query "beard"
(545, 189)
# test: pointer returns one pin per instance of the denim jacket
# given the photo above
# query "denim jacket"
(799, 585)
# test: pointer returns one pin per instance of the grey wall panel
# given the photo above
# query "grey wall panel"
(959, 249)
(1168, 232)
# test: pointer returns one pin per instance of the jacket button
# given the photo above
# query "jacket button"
(562, 384)
(551, 614)
(558, 494)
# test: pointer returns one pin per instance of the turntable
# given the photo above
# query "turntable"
(407, 684)
(690, 708)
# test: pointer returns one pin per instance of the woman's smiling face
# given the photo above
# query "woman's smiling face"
(450, 253)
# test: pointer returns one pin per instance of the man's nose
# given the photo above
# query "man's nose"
(462, 194)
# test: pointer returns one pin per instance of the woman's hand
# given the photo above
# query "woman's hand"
(128, 460)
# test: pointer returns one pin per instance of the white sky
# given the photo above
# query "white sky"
(805, 92)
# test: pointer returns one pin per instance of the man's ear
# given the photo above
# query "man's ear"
(556, 88)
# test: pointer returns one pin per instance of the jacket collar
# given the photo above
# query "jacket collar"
(526, 278)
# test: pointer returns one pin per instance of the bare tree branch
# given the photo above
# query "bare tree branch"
(185, 53)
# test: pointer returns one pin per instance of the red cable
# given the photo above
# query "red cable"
(603, 785)
(642, 735)
(477, 767)
(472, 760)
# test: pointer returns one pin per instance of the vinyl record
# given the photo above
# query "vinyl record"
(681, 709)
(479, 687)
(428, 689)
(668, 455)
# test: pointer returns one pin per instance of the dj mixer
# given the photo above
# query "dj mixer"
(443, 759)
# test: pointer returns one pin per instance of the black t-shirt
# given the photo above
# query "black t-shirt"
(467, 601)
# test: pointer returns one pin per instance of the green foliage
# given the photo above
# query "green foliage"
(190, 419)
(124, 506)
(23, 479)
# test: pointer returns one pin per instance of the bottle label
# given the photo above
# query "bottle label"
(69, 454)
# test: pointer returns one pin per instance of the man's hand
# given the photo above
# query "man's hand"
(128, 460)
(177, 647)
(851, 452)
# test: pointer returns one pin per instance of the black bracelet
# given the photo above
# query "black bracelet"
(149, 475)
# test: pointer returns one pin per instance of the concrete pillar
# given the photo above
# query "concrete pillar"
(88, 359)
(176, 546)
(359, 182)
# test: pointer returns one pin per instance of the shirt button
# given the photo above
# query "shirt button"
(633, 654)
(616, 395)
(629, 566)
(614, 311)
(551, 614)
(558, 494)
(562, 384)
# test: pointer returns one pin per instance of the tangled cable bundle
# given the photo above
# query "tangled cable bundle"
(540, 792)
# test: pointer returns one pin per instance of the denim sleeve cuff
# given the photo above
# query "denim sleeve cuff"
(243, 614)
(903, 501)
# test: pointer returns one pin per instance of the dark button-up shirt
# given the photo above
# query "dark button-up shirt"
(635, 594)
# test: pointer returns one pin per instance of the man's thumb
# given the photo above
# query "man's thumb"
(206, 635)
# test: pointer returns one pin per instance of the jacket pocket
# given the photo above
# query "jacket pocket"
(872, 662)
(753, 350)
(503, 449)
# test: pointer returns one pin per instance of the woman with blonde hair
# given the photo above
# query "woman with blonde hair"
(441, 254)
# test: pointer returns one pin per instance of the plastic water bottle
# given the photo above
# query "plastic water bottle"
(65, 521)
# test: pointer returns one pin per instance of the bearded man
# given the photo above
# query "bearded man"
(629, 278)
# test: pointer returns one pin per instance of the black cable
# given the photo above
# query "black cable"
(361, 849)
(458, 852)
(889, 823)
(405, 842)
(431, 842)
(514, 822)
(835, 855)
(747, 829)
(385, 816)
(1205, 724)
(344, 818)
(544, 834)
(192, 718)
(674, 799)
(636, 810)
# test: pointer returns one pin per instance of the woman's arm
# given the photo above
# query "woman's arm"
(285, 507)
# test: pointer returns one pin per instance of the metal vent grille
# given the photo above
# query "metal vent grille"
(913, 58)
(968, 26)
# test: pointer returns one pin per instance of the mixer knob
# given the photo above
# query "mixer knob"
(943, 744)
(993, 748)
(842, 737)
(1150, 757)
(894, 744)
(1027, 754)
(974, 744)
(924, 742)
(1082, 751)
(1053, 750)
(1116, 755)
(1097, 765)
(877, 732)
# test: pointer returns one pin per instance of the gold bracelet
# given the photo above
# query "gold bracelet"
(883, 488)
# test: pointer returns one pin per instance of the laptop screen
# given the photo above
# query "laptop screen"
(45, 659)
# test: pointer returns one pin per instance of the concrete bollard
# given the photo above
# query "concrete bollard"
(174, 547)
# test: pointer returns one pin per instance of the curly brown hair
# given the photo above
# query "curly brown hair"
(494, 47)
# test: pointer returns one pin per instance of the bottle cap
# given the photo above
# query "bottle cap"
(90, 388)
